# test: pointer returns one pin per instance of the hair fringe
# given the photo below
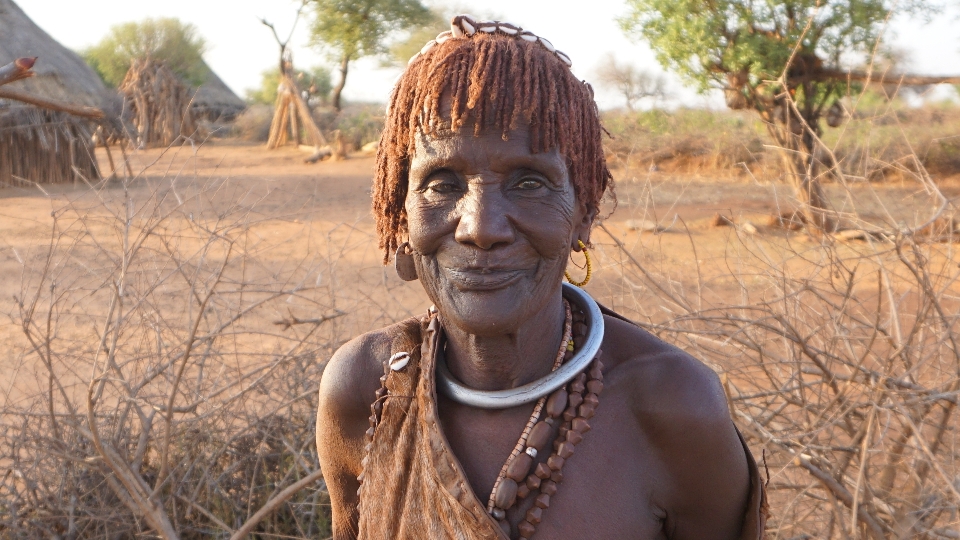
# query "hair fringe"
(496, 81)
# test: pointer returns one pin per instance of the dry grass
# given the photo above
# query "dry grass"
(877, 142)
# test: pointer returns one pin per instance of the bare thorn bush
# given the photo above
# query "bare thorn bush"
(171, 351)
(838, 353)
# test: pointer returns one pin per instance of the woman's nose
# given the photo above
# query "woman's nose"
(483, 218)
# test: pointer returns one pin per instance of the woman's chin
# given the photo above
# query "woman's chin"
(486, 312)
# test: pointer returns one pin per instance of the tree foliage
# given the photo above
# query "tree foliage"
(703, 40)
(352, 29)
(169, 40)
(316, 82)
(781, 58)
(403, 50)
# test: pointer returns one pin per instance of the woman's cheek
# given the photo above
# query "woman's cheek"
(423, 221)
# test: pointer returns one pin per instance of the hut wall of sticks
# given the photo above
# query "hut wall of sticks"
(157, 104)
(39, 146)
(44, 147)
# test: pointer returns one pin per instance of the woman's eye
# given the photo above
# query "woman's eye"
(442, 186)
(530, 183)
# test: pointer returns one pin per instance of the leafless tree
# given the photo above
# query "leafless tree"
(632, 83)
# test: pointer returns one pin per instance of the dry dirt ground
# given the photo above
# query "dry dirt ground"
(313, 222)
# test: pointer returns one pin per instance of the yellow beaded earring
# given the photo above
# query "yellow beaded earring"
(586, 279)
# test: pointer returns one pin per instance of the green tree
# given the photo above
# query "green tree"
(316, 81)
(403, 50)
(175, 43)
(352, 29)
(780, 58)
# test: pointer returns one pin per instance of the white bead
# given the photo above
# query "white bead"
(468, 28)
(430, 44)
(532, 452)
(399, 361)
(565, 58)
(547, 45)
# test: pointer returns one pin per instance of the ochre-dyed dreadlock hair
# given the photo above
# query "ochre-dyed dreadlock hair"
(494, 78)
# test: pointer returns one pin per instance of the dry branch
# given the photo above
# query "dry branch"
(291, 320)
(16, 70)
(77, 110)
(274, 502)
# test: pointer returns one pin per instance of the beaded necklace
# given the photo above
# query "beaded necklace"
(571, 407)
(565, 345)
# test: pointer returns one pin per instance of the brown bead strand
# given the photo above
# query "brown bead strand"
(548, 475)
(566, 403)
(503, 494)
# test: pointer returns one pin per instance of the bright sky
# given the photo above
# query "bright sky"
(240, 48)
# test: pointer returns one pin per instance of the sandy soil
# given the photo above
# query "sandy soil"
(313, 223)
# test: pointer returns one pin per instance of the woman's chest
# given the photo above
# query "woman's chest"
(606, 488)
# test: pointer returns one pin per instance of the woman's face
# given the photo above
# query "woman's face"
(491, 225)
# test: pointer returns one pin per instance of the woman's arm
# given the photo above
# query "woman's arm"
(347, 389)
(683, 408)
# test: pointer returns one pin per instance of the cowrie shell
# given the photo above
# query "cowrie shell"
(468, 28)
(430, 44)
(528, 36)
(443, 36)
(547, 45)
(456, 30)
(399, 361)
(508, 29)
(488, 29)
(566, 59)
(412, 58)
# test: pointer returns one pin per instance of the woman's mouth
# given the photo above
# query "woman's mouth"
(482, 279)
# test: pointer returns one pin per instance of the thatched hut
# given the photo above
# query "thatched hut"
(214, 101)
(37, 145)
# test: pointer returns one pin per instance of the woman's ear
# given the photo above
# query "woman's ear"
(582, 232)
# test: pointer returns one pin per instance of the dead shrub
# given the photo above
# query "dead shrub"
(253, 124)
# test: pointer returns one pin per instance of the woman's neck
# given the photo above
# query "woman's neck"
(509, 360)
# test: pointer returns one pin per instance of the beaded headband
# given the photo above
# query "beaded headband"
(463, 26)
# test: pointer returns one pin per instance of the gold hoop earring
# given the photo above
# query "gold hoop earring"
(586, 279)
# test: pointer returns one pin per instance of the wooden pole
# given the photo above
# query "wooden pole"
(16, 70)
(76, 110)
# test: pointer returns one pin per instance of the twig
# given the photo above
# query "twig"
(292, 320)
(273, 503)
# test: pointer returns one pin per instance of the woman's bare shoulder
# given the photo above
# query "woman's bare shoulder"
(352, 375)
(680, 406)
(667, 384)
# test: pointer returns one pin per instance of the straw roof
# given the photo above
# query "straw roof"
(60, 73)
(214, 99)
(38, 145)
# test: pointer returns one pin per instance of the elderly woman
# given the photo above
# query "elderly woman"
(517, 406)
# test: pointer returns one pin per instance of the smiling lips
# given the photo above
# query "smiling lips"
(482, 279)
